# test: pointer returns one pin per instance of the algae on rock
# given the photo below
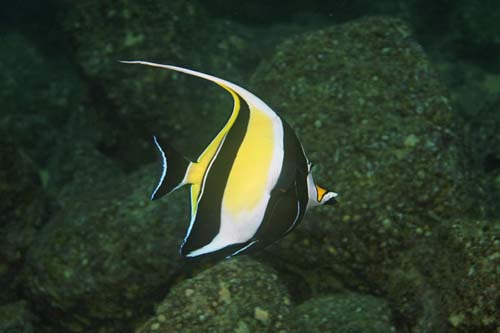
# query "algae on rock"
(23, 209)
(376, 121)
(139, 102)
(236, 295)
(467, 273)
(378, 124)
(106, 256)
(342, 313)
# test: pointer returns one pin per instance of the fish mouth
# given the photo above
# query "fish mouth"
(331, 202)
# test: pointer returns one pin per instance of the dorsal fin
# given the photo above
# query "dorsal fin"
(253, 101)
(196, 170)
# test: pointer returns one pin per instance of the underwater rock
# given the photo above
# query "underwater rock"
(46, 108)
(489, 136)
(252, 12)
(16, 318)
(493, 145)
(101, 261)
(37, 92)
(236, 295)
(76, 168)
(139, 101)
(108, 32)
(142, 101)
(467, 273)
(417, 304)
(377, 123)
(475, 94)
(342, 313)
(22, 211)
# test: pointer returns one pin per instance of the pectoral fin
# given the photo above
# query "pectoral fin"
(282, 212)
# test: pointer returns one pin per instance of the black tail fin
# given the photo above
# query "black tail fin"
(174, 170)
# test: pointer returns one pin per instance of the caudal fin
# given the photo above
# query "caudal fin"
(174, 169)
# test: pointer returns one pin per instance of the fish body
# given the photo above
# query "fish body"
(250, 186)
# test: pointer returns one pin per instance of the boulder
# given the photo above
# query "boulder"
(16, 318)
(138, 102)
(467, 274)
(106, 256)
(377, 123)
(23, 209)
(37, 94)
(342, 313)
(236, 295)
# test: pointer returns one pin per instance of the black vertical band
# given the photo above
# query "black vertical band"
(208, 215)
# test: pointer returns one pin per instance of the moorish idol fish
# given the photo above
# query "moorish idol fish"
(249, 187)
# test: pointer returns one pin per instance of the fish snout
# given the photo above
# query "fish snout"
(330, 198)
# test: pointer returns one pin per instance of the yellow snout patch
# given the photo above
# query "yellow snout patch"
(321, 192)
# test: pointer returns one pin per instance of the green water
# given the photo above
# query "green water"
(397, 104)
